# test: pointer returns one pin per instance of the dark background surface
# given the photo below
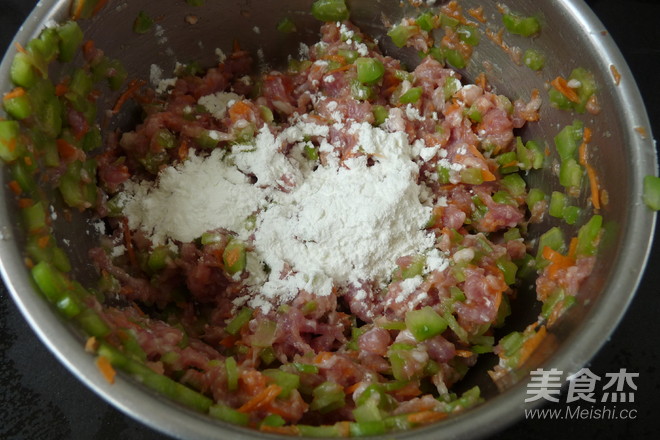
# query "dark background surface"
(40, 399)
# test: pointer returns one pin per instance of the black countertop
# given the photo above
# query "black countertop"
(40, 399)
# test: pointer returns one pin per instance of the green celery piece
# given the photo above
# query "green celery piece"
(287, 381)
(411, 96)
(401, 33)
(451, 86)
(143, 23)
(455, 58)
(231, 368)
(273, 420)
(586, 89)
(589, 236)
(380, 114)
(521, 25)
(349, 55)
(571, 214)
(286, 26)
(514, 184)
(327, 397)
(570, 173)
(22, 71)
(235, 325)
(558, 202)
(369, 70)
(159, 257)
(264, 334)
(306, 368)
(472, 176)
(651, 192)
(19, 107)
(568, 140)
(11, 147)
(468, 34)
(509, 269)
(228, 414)
(425, 323)
(534, 59)
(426, 21)
(71, 36)
(330, 10)
(534, 196)
(367, 428)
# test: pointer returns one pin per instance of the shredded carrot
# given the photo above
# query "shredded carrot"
(61, 89)
(591, 173)
(322, 357)
(615, 74)
(351, 389)
(341, 68)
(66, 150)
(642, 132)
(28, 262)
(88, 47)
(572, 248)
(99, 6)
(91, 344)
(16, 93)
(25, 203)
(284, 430)
(228, 342)
(531, 344)
(463, 353)
(343, 428)
(478, 14)
(106, 369)
(562, 87)
(128, 242)
(15, 187)
(481, 81)
(42, 242)
(133, 87)
(557, 261)
(424, 417)
(239, 111)
(262, 399)
(20, 48)
(487, 176)
(10, 144)
(410, 390)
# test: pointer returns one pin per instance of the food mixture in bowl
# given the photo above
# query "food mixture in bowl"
(324, 249)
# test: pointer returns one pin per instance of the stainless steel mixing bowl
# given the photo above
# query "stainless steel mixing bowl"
(572, 36)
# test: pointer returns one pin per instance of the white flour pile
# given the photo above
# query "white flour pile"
(334, 225)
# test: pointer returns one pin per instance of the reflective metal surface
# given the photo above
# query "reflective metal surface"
(572, 37)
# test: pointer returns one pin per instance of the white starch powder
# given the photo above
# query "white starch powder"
(334, 225)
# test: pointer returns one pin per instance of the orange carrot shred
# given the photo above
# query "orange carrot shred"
(351, 389)
(615, 74)
(572, 248)
(562, 87)
(42, 242)
(266, 396)
(106, 369)
(424, 417)
(61, 89)
(487, 176)
(477, 14)
(20, 48)
(16, 93)
(463, 353)
(591, 173)
(15, 187)
(133, 87)
(25, 203)
(531, 344)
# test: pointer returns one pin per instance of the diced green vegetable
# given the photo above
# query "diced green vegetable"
(521, 25)
(514, 184)
(19, 107)
(380, 114)
(558, 202)
(330, 10)
(273, 420)
(450, 87)
(369, 70)
(71, 36)
(286, 26)
(367, 428)
(426, 21)
(235, 325)
(651, 195)
(360, 91)
(287, 381)
(468, 34)
(143, 23)
(568, 140)
(455, 58)
(472, 176)
(589, 236)
(401, 33)
(231, 367)
(570, 174)
(554, 239)
(327, 397)
(411, 96)
(425, 323)
(534, 59)
(22, 72)
(228, 414)
(571, 214)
